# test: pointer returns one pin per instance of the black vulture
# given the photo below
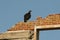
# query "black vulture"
(27, 16)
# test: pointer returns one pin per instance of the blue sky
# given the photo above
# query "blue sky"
(12, 11)
(49, 35)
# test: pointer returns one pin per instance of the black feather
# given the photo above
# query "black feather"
(27, 16)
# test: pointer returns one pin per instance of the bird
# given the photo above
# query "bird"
(27, 16)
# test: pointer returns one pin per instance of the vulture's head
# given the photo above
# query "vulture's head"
(30, 11)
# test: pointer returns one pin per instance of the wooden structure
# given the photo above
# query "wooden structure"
(51, 22)
(45, 27)
(17, 35)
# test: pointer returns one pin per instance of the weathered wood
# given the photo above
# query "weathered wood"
(15, 34)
